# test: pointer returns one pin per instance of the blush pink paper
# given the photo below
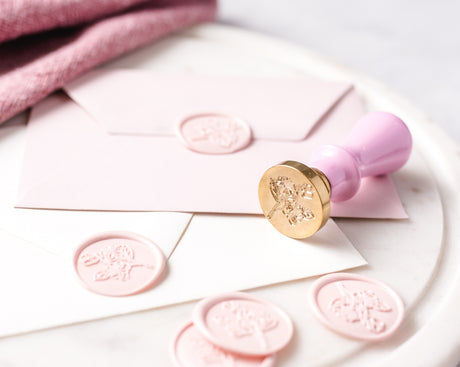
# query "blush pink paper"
(149, 103)
(32, 66)
(96, 170)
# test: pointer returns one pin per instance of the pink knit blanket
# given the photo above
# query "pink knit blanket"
(46, 43)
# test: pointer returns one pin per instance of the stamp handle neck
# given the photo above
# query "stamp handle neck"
(379, 143)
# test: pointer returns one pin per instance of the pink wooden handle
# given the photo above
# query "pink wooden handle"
(379, 143)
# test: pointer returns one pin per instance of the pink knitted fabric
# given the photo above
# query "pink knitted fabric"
(76, 35)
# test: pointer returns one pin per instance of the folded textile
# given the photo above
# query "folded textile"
(76, 35)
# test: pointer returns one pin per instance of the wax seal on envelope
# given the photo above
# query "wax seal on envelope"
(357, 306)
(191, 349)
(118, 263)
(214, 133)
(295, 198)
(243, 324)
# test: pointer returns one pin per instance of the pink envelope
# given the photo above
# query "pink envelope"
(116, 149)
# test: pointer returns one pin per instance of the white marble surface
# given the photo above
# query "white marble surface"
(142, 339)
(421, 39)
(412, 46)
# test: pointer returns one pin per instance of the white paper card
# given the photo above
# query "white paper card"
(40, 289)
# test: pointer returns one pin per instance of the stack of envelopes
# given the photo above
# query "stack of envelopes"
(105, 157)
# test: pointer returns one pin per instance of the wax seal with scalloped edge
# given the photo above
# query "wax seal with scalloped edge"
(214, 133)
(243, 324)
(118, 263)
(356, 306)
(191, 349)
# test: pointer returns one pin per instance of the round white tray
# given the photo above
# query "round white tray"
(418, 257)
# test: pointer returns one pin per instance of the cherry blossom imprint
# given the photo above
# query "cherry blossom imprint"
(243, 324)
(214, 133)
(191, 349)
(356, 306)
(118, 263)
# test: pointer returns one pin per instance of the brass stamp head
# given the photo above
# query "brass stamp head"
(295, 198)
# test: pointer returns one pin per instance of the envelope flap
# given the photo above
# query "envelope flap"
(147, 103)
(144, 173)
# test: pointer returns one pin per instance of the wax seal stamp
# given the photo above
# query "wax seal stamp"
(118, 263)
(191, 349)
(357, 306)
(214, 133)
(243, 324)
(296, 198)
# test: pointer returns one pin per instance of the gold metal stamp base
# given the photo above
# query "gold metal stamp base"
(295, 198)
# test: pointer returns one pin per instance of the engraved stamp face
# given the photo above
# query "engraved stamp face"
(214, 133)
(289, 199)
(294, 198)
(356, 306)
(118, 263)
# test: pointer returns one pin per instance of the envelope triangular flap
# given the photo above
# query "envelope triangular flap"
(149, 103)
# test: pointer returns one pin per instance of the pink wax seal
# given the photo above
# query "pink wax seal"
(243, 324)
(214, 133)
(118, 263)
(190, 349)
(357, 306)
